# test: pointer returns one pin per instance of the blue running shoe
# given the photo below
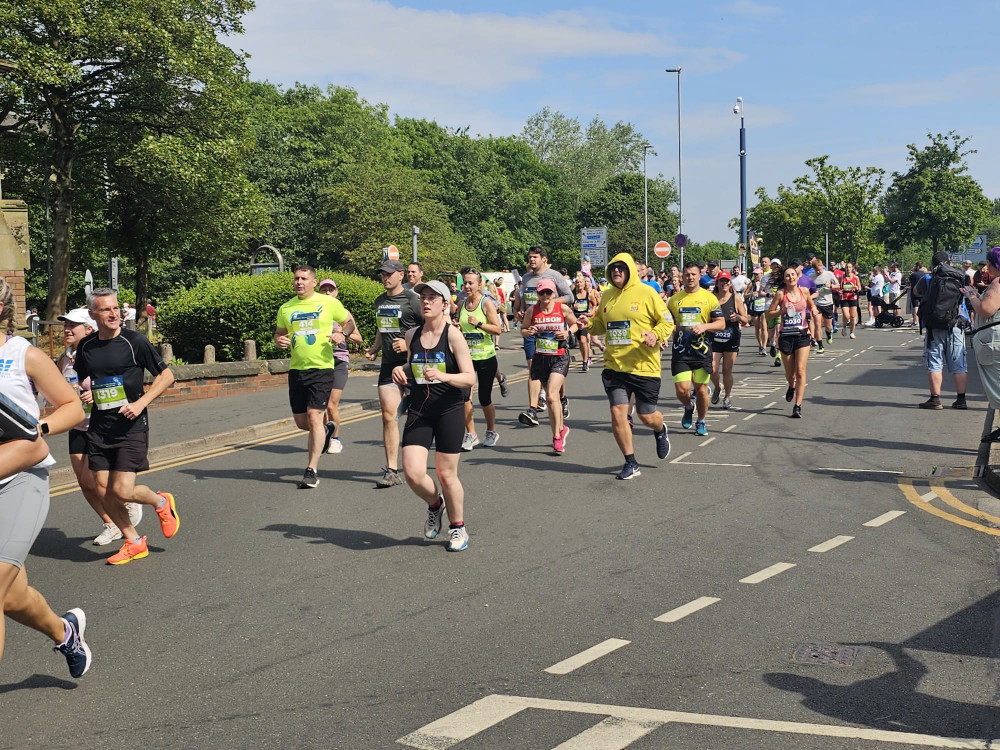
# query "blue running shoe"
(629, 471)
(76, 650)
(688, 416)
(662, 443)
(700, 428)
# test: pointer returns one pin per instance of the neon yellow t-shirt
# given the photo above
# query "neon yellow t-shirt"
(309, 323)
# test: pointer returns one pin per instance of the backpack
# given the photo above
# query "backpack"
(939, 307)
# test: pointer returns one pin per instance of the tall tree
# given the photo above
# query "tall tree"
(618, 205)
(77, 58)
(934, 201)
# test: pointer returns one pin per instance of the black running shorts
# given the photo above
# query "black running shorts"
(128, 453)
(621, 386)
(789, 343)
(826, 311)
(445, 430)
(77, 442)
(542, 365)
(309, 389)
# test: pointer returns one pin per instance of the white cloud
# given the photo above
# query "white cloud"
(965, 84)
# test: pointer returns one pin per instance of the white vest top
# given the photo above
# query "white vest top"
(16, 386)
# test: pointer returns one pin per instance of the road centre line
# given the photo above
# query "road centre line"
(770, 404)
(884, 518)
(830, 544)
(828, 371)
(731, 427)
(681, 457)
(684, 610)
(768, 572)
(839, 364)
(585, 657)
(711, 463)
(817, 377)
(748, 417)
(702, 445)
(854, 471)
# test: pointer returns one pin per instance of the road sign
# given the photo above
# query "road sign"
(390, 253)
(594, 246)
(680, 240)
(661, 249)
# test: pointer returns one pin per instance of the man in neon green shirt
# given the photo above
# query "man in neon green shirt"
(305, 325)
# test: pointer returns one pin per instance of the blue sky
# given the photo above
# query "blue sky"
(855, 80)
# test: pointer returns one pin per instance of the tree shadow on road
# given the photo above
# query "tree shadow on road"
(352, 539)
(37, 681)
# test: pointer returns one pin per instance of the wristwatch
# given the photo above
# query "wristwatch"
(45, 427)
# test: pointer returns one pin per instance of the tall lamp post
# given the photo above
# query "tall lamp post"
(738, 110)
(645, 200)
(680, 170)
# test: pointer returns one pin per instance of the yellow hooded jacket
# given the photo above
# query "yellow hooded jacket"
(624, 315)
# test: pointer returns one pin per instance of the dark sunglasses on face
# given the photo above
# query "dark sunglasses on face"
(620, 267)
(544, 292)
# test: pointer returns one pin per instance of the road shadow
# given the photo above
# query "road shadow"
(37, 681)
(55, 545)
(352, 539)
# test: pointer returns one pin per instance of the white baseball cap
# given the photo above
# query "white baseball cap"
(79, 315)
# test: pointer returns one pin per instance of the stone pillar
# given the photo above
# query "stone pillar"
(249, 350)
(209, 354)
(167, 352)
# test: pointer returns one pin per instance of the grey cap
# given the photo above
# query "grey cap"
(391, 266)
(435, 286)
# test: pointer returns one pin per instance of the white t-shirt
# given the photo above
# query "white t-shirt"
(895, 280)
(876, 284)
(740, 283)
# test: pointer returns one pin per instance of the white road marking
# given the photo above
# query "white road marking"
(748, 417)
(585, 657)
(477, 717)
(929, 496)
(885, 518)
(710, 463)
(817, 377)
(853, 471)
(731, 427)
(690, 608)
(768, 572)
(613, 733)
(770, 404)
(681, 457)
(830, 544)
(702, 445)
(838, 364)
(828, 371)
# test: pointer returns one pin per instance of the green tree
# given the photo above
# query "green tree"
(618, 205)
(787, 223)
(934, 201)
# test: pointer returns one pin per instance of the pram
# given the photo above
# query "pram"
(889, 314)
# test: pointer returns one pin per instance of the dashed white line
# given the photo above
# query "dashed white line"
(690, 608)
(585, 657)
(769, 572)
(681, 457)
(731, 427)
(770, 404)
(702, 445)
(817, 377)
(749, 417)
(885, 518)
(839, 364)
(855, 471)
(830, 544)
(828, 371)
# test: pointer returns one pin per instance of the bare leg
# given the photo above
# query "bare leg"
(446, 467)
(415, 473)
(333, 410)
(801, 359)
(701, 397)
(25, 605)
(728, 360)
(621, 428)
(88, 484)
(121, 489)
(313, 422)
(389, 397)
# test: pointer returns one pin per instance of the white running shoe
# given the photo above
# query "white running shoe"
(134, 513)
(458, 539)
(492, 437)
(432, 526)
(853, 336)
(110, 534)
(470, 441)
(335, 446)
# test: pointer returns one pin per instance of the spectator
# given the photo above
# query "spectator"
(986, 340)
(945, 342)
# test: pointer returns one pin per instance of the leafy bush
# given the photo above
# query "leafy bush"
(225, 312)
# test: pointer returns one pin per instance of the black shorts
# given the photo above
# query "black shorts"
(621, 386)
(732, 344)
(826, 311)
(848, 303)
(309, 389)
(542, 365)
(128, 452)
(340, 371)
(688, 364)
(486, 372)
(77, 442)
(385, 371)
(445, 430)
(787, 344)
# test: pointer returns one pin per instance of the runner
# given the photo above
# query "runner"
(849, 291)
(397, 311)
(826, 285)
(24, 489)
(726, 343)
(634, 318)
(583, 304)
(697, 315)
(876, 283)
(414, 275)
(772, 283)
(792, 303)
(341, 369)
(439, 372)
(550, 321)
(479, 322)
(756, 303)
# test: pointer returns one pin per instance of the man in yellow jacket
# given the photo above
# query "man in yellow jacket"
(633, 318)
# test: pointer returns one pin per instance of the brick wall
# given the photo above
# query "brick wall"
(190, 390)
(16, 281)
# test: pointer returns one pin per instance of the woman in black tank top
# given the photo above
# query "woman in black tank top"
(440, 375)
(581, 306)
(726, 343)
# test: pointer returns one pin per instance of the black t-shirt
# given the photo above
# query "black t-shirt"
(915, 278)
(115, 367)
(396, 314)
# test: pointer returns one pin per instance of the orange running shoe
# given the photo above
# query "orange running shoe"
(130, 551)
(170, 522)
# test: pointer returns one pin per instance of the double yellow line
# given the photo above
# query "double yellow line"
(938, 487)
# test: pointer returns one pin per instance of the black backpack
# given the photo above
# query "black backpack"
(940, 302)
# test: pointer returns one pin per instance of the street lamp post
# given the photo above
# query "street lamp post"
(738, 110)
(680, 170)
(645, 200)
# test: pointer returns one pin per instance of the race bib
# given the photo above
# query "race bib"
(791, 319)
(546, 343)
(476, 342)
(422, 362)
(724, 335)
(389, 317)
(530, 296)
(690, 316)
(619, 332)
(581, 305)
(759, 304)
(304, 325)
(109, 393)
(848, 287)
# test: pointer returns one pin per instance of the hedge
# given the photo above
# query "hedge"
(225, 312)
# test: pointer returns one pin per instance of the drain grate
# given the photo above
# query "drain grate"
(825, 653)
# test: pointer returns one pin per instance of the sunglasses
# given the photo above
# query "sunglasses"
(545, 292)
(620, 267)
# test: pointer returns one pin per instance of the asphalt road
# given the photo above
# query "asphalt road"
(280, 617)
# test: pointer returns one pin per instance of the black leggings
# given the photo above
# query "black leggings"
(486, 371)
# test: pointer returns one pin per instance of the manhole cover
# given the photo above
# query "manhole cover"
(825, 653)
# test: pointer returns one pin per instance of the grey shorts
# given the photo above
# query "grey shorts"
(340, 375)
(24, 503)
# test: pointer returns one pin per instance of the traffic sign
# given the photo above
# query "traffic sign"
(390, 253)
(594, 246)
(680, 240)
(661, 249)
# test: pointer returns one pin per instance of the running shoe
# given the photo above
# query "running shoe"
(631, 424)
(331, 427)
(559, 442)
(586, 366)
(727, 403)
(130, 551)
(565, 408)
(134, 513)
(716, 395)
(960, 403)
(110, 534)
(309, 479)
(843, 331)
(760, 351)
(470, 441)
(662, 442)
(336, 446)
(458, 539)
(543, 401)
(528, 417)
(75, 649)
(932, 403)
(389, 478)
(492, 438)
(700, 428)
(432, 526)
(829, 337)
(796, 412)
(790, 393)
(852, 335)
(688, 417)
(820, 349)
(991, 437)
(629, 471)
(777, 361)
(170, 522)
(773, 351)
(504, 388)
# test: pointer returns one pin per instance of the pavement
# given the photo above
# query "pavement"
(821, 583)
